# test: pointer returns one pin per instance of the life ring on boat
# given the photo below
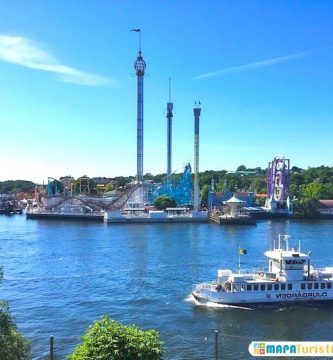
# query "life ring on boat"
(261, 274)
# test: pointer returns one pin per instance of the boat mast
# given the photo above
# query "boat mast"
(239, 250)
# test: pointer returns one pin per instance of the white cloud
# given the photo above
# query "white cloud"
(253, 66)
(24, 52)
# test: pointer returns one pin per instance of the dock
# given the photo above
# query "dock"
(171, 215)
(64, 216)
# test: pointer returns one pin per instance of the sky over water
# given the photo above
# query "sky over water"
(261, 70)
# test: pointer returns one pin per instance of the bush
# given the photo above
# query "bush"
(106, 340)
(307, 208)
(13, 345)
(163, 202)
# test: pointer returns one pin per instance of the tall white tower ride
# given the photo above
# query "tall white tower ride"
(197, 112)
(140, 67)
(169, 117)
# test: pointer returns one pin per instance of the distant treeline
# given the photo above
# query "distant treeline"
(16, 186)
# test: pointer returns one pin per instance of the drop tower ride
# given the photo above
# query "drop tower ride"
(169, 117)
(140, 67)
(197, 112)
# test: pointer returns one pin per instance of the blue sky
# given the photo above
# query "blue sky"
(262, 70)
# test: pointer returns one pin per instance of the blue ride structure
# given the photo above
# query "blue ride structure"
(180, 191)
(52, 186)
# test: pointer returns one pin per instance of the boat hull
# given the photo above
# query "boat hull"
(262, 298)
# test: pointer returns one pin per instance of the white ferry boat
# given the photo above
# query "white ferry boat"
(289, 278)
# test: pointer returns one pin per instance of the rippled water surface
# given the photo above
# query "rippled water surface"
(61, 276)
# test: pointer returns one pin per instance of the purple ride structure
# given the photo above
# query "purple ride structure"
(278, 178)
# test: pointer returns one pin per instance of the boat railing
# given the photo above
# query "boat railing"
(254, 271)
(207, 286)
(215, 286)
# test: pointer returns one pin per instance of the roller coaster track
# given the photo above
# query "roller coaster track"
(121, 201)
(96, 203)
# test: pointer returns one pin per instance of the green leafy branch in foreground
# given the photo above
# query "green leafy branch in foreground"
(13, 345)
(106, 339)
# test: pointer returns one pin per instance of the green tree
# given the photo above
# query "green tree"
(258, 185)
(109, 187)
(204, 194)
(106, 339)
(122, 181)
(163, 202)
(307, 208)
(85, 185)
(317, 191)
(15, 186)
(294, 191)
(13, 346)
(241, 168)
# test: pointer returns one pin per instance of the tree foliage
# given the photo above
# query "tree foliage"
(307, 208)
(316, 191)
(163, 202)
(13, 346)
(204, 195)
(85, 185)
(15, 186)
(106, 339)
(241, 168)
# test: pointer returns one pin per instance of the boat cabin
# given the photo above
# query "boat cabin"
(287, 264)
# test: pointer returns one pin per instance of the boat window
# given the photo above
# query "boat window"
(242, 287)
(269, 287)
(255, 287)
(310, 286)
(290, 286)
(276, 286)
(288, 261)
(262, 287)
(283, 286)
(302, 286)
(322, 285)
(315, 285)
(248, 287)
(329, 285)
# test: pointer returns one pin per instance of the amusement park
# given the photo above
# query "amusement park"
(137, 201)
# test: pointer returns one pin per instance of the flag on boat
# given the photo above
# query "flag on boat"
(243, 251)
(136, 30)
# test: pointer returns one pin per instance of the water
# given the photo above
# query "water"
(61, 276)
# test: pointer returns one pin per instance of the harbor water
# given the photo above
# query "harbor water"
(60, 276)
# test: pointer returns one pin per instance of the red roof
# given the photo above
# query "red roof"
(326, 203)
